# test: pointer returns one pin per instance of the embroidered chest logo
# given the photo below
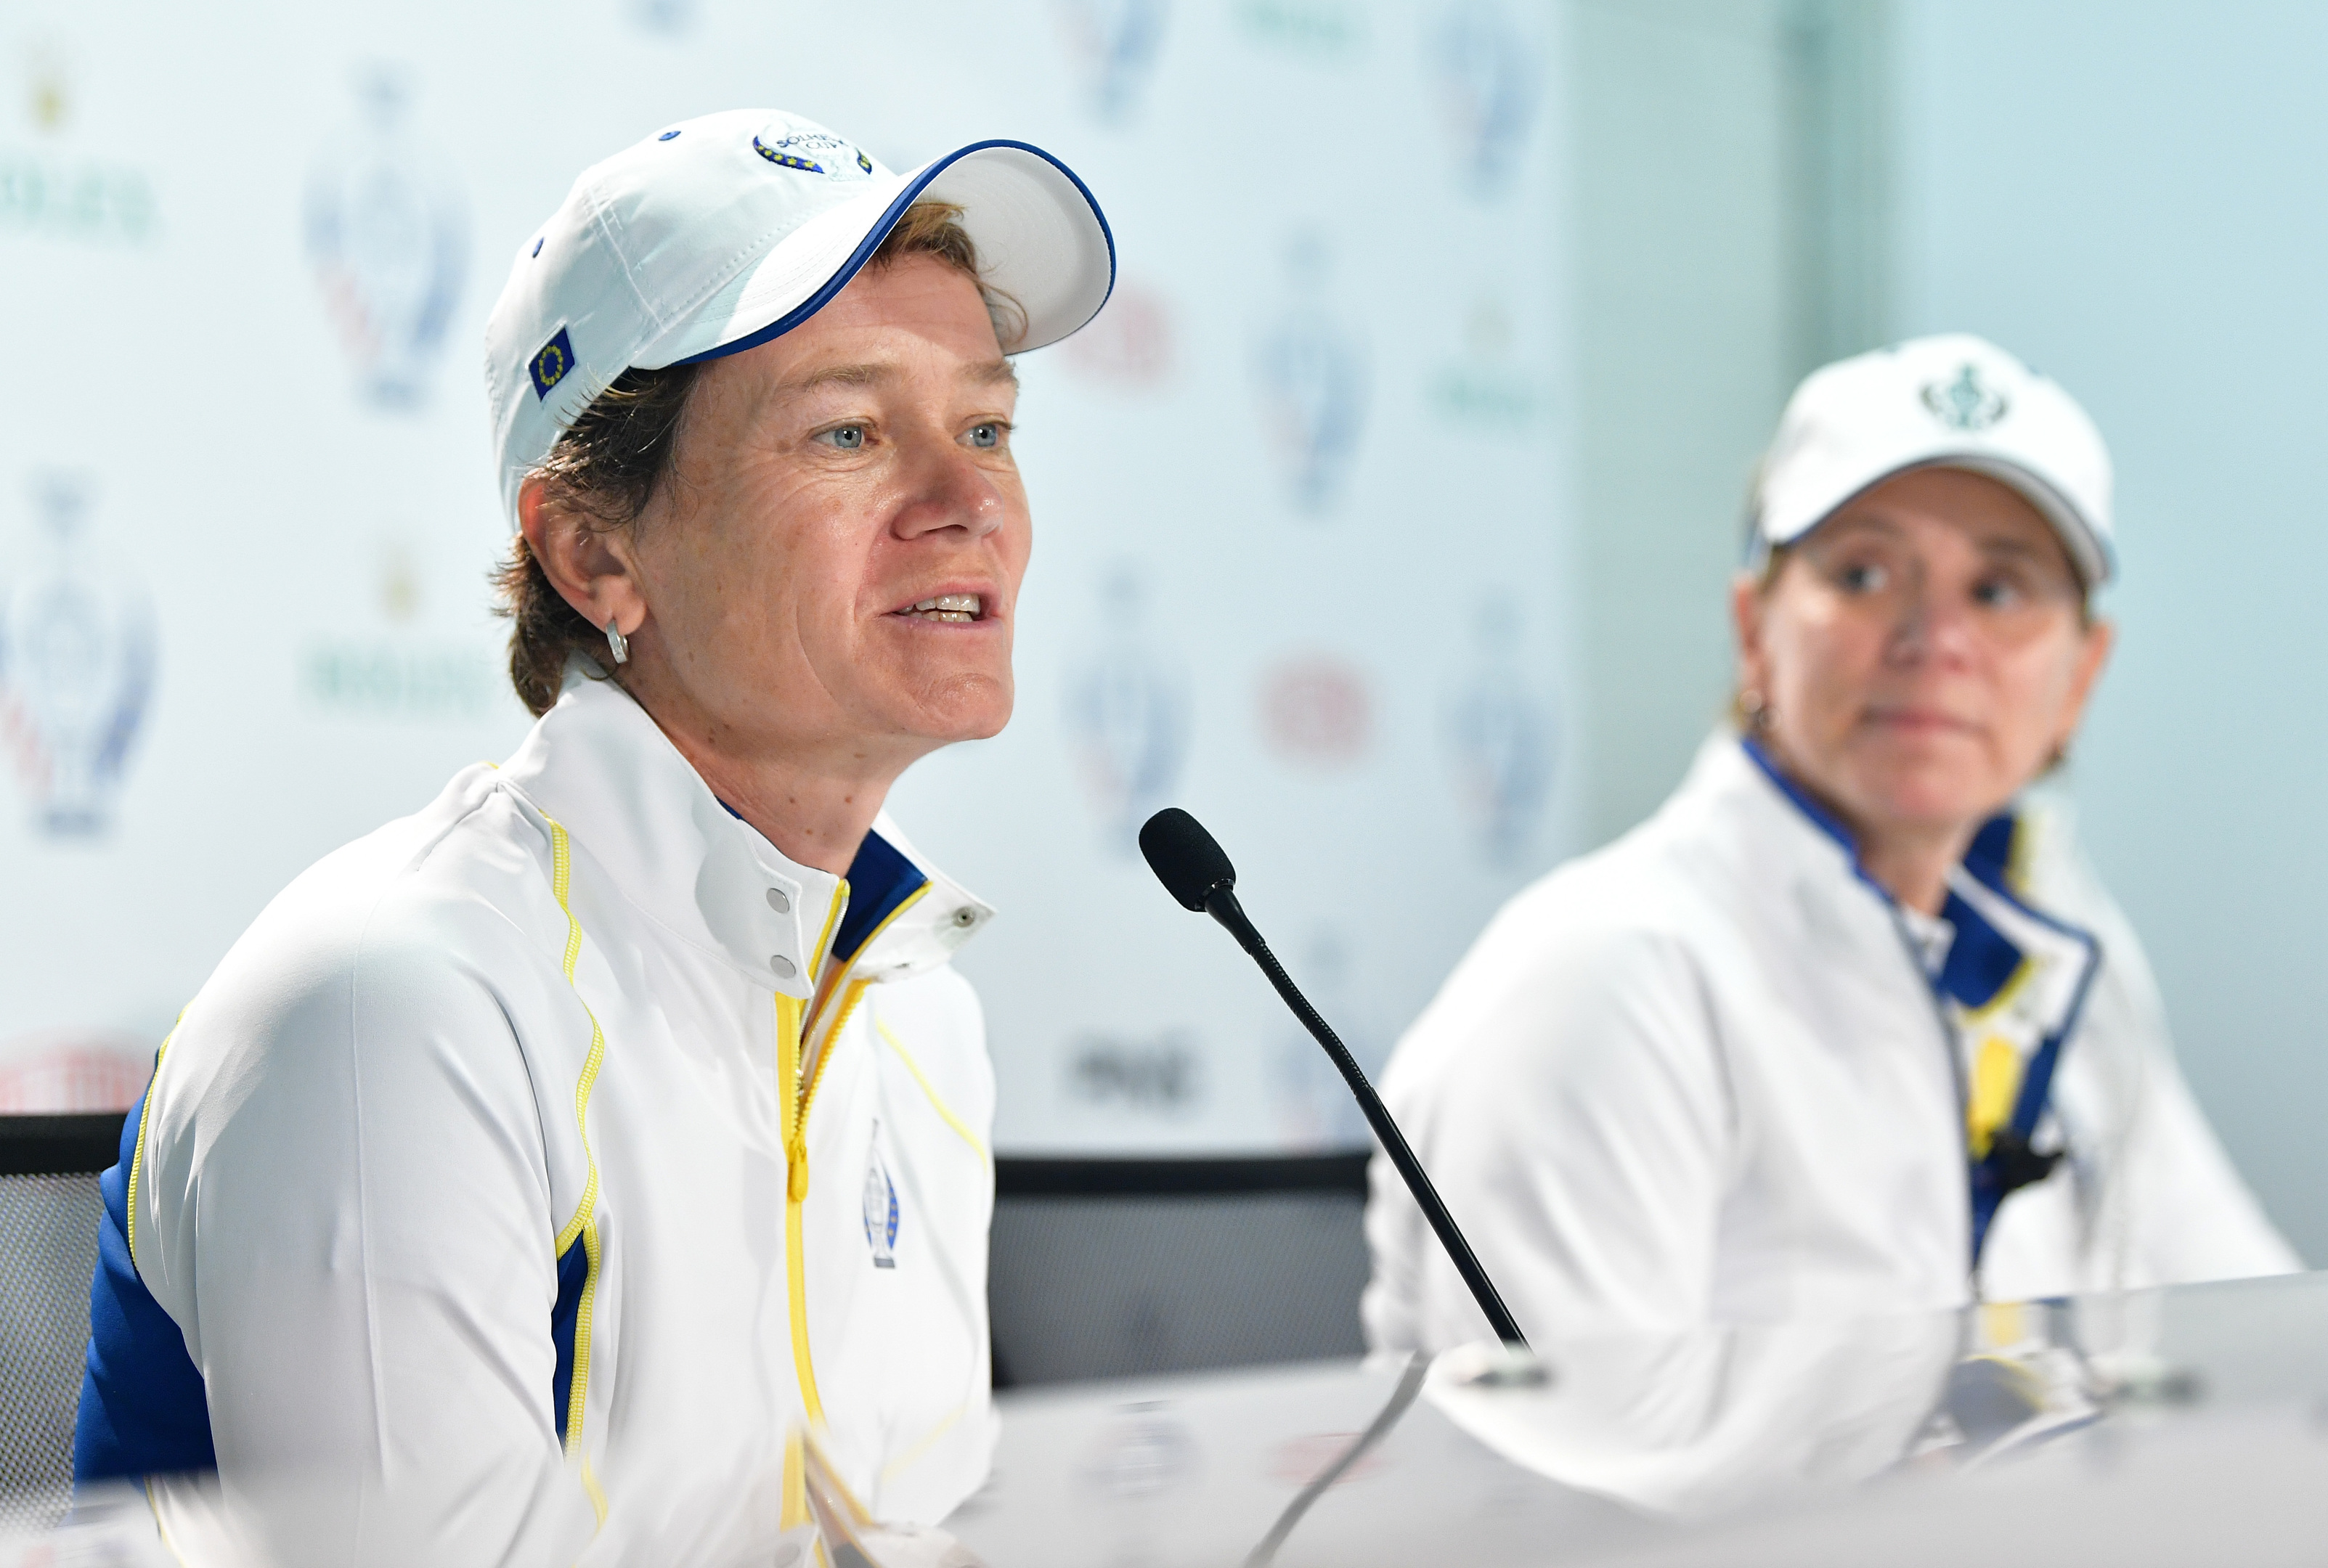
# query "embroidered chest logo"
(880, 1209)
(1967, 403)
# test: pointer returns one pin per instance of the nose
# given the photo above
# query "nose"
(1930, 625)
(947, 489)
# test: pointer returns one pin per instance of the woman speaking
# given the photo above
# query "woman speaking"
(542, 1174)
(1848, 1027)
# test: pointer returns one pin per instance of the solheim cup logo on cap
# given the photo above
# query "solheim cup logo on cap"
(76, 665)
(812, 153)
(1967, 403)
(1127, 715)
(1114, 44)
(1500, 739)
(388, 233)
(1490, 77)
(1310, 372)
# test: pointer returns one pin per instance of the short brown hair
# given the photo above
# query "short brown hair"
(618, 453)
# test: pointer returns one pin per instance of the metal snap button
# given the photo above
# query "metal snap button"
(784, 966)
(779, 902)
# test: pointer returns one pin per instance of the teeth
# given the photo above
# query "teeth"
(955, 608)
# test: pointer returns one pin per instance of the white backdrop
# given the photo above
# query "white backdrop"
(1298, 492)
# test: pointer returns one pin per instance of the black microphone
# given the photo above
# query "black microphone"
(1194, 870)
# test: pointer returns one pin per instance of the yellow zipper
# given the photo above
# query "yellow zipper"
(795, 1021)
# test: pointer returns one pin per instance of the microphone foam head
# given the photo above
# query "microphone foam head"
(1184, 857)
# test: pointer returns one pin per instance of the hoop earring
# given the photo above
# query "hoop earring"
(1757, 710)
(617, 643)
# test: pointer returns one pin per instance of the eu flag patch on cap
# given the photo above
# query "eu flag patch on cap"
(551, 365)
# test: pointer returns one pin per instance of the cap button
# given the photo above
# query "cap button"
(779, 901)
(784, 968)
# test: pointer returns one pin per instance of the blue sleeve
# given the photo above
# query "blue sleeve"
(143, 1408)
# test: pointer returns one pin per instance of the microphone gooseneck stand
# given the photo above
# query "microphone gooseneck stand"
(1195, 871)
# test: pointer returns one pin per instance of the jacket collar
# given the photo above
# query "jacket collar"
(598, 766)
(1994, 929)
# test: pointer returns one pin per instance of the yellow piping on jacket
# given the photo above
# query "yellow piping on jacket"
(138, 1154)
(795, 1022)
(585, 1222)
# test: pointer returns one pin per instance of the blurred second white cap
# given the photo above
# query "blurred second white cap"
(1949, 401)
(718, 234)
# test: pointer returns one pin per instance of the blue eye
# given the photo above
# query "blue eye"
(847, 437)
(986, 435)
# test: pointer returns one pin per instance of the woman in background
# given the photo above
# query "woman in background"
(1848, 1027)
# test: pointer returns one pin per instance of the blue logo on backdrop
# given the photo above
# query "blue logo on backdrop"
(880, 1208)
(1490, 80)
(1502, 740)
(549, 366)
(1113, 44)
(76, 665)
(1128, 712)
(1310, 372)
(388, 233)
(814, 153)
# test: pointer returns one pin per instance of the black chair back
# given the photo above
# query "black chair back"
(49, 1215)
(1114, 1268)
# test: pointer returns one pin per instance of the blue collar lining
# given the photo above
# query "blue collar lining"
(880, 878)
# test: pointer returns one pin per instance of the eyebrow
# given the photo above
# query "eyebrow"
(988, 373)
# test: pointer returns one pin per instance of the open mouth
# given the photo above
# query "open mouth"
(948, 609)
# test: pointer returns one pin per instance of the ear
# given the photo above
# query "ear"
(2092, 656)
(591, 567)
(1746, 609)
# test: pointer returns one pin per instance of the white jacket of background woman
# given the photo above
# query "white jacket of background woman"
(1706, 1075)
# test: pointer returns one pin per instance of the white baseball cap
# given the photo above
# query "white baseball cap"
(1950, 401)
(717, 234)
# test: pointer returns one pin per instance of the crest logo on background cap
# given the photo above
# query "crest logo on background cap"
(549, 365)
(1967, 403)
(814, 152)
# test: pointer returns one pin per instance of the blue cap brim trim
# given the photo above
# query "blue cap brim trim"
(880, 231)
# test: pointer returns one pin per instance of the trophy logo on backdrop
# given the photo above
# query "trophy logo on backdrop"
(1318, 710)
(1315, 1108)
(1312, 378)
(1128, 716)
(388, 233)
(668, 17)
(1489, 76)
(1500, 737)
(76, 665)
(1113, 45)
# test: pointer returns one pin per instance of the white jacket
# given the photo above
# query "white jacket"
(1706, 1075)
(476, 1179)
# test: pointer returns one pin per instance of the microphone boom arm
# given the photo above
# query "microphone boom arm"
(1221, 903)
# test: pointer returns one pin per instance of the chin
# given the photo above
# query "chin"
(970, 708)
(1935, 798)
